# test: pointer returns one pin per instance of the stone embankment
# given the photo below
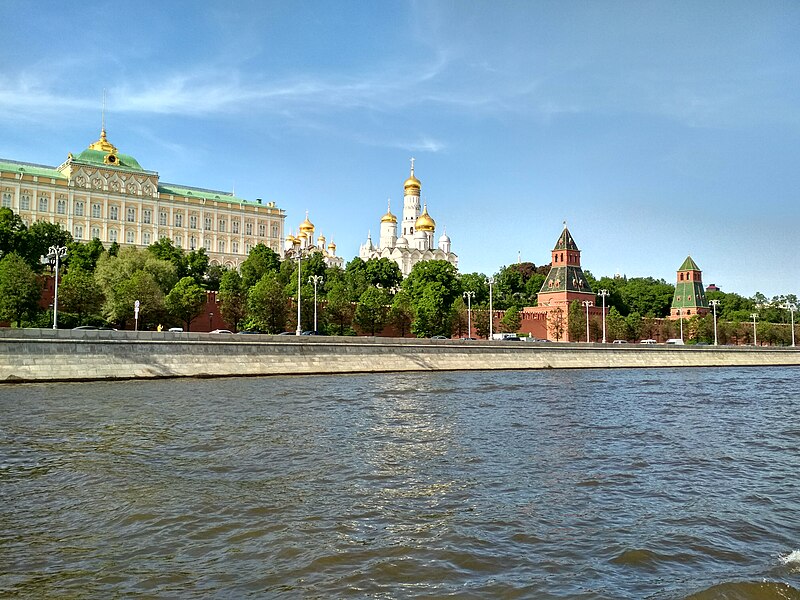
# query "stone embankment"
(64, 355)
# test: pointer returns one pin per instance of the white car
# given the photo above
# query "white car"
(649, 342)
(674, 342)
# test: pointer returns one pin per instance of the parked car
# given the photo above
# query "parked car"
(222, 331)
(649, 342)
(468, 338)
(439, 337)
(620, 342)
(251, 331)
(175, 329)
(674, 342)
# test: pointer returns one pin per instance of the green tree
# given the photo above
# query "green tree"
(511, 320)
(356, 277)
(478, 283)
(12, 233)
(164, 249)
(186, 300)
(338, 308)
(113, 249)
(131, 276)
(259, 262)
(401, 315)
(433, 271)
(233, 298)
(460, 323)
(382, 272)
(84, 256)
(576, 322)
(41, 235)
(197, 262)
(432, 310)
(268, 305)
(616, 327)
(372, 310)
(20, 289)
(214, 277)
(634, 325)
(79, 293)
(648, 296)
(480, 320)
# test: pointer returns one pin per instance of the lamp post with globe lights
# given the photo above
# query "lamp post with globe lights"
(469, 295)
(315, 279)
(603, 294)
(791, 307)
(587, 304)
(54, 256)
(491, 312)
(714, 304)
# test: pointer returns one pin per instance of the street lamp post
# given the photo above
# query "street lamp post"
(469, 295)
(54, 255)
(680, 317)
(791, 308)
(755, 336)
(603, 294)
(587, 304)
(714, 304)
(491, 312)
(315, 279)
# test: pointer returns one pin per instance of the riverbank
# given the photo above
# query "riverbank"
(87, 355)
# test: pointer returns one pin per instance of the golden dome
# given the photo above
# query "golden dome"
(290, 238)
(412, 183)
(331, 246)
(425, 222)
(306, 226)
(389, 217)
(321, 240)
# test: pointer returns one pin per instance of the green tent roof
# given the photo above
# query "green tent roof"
(689, 265)
(565, 241)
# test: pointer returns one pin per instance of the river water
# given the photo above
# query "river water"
(616, 484)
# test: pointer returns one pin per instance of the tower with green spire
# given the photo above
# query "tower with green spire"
(690, 296)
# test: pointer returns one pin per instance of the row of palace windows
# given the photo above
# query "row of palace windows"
(130, 238)
(147, 216)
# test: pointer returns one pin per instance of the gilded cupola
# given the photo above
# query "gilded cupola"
(425, 222)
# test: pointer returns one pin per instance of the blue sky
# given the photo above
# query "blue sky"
(655, 129)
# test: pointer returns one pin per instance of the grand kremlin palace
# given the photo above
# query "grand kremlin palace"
(101, 193)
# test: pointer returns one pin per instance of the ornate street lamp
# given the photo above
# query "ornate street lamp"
(469, 296)
(54, 256)
(714, 304)
(491, 312)
(791, 308)
(603, 294)
(587, 304)
(315, 279)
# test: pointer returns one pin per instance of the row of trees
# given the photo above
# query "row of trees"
(99, 286)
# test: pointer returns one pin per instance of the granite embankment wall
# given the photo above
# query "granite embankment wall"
(63, 355)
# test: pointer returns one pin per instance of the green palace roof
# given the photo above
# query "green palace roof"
(30, 169)
(98, 157)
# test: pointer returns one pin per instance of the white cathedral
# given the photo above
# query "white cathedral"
(416, 243)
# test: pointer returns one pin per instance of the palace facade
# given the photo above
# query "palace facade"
(102, 193)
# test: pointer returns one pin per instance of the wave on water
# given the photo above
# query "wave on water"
(791, 560)
(748, 590)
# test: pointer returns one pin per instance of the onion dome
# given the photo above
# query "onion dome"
(321, 241)
(445, 239)
(412, 184)
(401, 243)
(424, 221)
(389, 217)
(306, 226)
(332, 247)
